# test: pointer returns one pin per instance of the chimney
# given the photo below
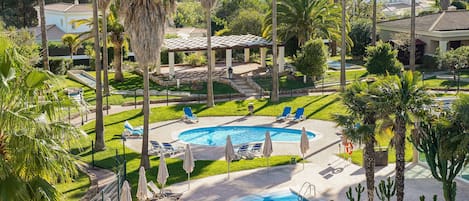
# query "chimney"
(76, 2)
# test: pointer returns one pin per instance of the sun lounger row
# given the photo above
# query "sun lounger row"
(189, 115)
(129, 130)
(299, 114)
(164, 148)
(248, 151)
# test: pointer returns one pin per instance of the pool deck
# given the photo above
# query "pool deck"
(329, 174)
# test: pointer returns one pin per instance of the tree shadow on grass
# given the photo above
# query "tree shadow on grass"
(323, 107)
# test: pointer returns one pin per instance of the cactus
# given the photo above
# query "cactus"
(386, 190)
(422, 198)
(349, 194)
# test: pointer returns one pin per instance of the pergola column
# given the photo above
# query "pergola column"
(171, 64)
(443, 45)
(213, 59)
(158, 66)
(228, 60)
(281, 58)
(263, 51)
(246, 55)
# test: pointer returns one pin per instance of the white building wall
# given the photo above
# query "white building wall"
(55, 18)
(62, 21)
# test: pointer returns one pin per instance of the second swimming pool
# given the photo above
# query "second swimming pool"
(216, 136)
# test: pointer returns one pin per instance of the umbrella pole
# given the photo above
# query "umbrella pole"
(303, 161)
(189, 180)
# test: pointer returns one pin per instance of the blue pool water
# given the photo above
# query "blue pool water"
(277, 196)
(216, 136)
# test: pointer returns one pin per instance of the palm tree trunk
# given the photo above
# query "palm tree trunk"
(373, 28)
(45, 48)
(99, 145)
(145, 160)
(400, 160)
(333, 43)
(118, 76)
(369, 157)
(210, 99)
(105, 56)
(412, 36)
(343, 50)
(275, 85)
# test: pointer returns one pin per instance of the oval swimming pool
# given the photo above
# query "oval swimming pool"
(216, 136)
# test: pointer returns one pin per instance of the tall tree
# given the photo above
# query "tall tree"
(99, 123)
(103, 6)
(373, 29)
(45, 47)
(145, 20)
(359, 101)
(402, 98)
(343, 48)
(71, 41)
(33, 156)
(412, 36)
(208, 5)
(275, 85)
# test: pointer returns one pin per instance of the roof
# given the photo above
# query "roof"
(54, 33)
(218, 42)
(69, 8)
(444, 21)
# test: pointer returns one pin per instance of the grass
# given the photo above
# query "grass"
(75, 190)
(134, 81)
(334, 76)
(317, 107)
(445, 84)
(285, 82)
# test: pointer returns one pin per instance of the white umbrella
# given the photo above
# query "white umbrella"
(304, 144)
(229, 153)
(162, 172)
(142, 189)
(267, 151)
(125, 192)
(188, 164)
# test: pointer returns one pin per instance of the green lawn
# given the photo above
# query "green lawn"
(317, 107)
(75, 190)
(134, 81)
(285, 82)
(334, 76)
(445, 84)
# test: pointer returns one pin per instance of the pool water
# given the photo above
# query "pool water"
(216, 136)
(277, 196)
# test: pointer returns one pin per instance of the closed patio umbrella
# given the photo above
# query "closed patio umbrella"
(229, 153)
(304, 144)
(188, 164)
(267, 151)
(142, 189)
(125, 192)
(162, 172)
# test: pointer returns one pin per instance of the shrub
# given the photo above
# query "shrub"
(312, 59)
(430, 62)
(59, 66)
(361, 37)
(195, 59)
(459, 4)
(178, 57)
(382, 59)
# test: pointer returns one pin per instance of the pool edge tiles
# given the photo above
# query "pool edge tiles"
(280, 195)
(216, 135)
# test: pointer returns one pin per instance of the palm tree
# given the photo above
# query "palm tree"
(103, 5)
(31, 134)
(145, 21)
(358, 98)
(306, 19)
(208, 5)
(72, 41)
(373, 29)
(401, 98)
(275, 84)
(99, 128)
(45, 48)
(343, 48)
(115, 34)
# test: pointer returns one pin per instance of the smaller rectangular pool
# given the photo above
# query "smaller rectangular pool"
(286, 195)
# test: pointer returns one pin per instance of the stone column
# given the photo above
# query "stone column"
(443, 45)
(246, 55)
(263, 51)
(171, 64)
(228, 60)
(281, 59)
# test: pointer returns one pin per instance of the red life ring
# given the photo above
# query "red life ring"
(349, 148)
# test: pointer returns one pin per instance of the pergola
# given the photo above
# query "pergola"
(219, 43)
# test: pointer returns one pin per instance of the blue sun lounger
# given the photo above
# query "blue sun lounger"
(285, 113)
(129, 130)
(299, 114)
(188, 115)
